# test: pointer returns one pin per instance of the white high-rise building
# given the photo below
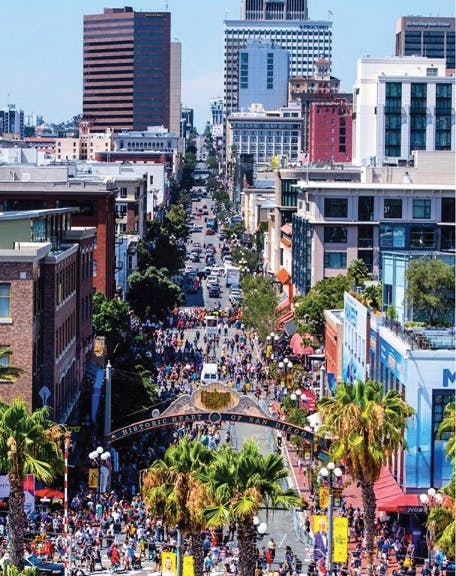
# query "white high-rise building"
(306, 41)
(402, 104)
(263, 76)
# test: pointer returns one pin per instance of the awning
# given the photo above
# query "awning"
(283, 276)
(284, 318)
(402, 503)
(285, 303)
(386, 488)
(298, 347)
(287, 229)
(286, 242)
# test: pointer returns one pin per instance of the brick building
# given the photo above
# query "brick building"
(46, 306)
(28, 187)
(330, 125)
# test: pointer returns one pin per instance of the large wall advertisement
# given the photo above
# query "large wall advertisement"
(355, 332)
(431, 377)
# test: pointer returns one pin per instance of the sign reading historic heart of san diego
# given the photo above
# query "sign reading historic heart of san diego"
(214, 403)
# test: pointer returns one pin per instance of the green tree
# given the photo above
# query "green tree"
(260, 304)
(357, 272)
(366, 427)
(173, 490)
(327, 294)
(238, 483)
(430, 289)
(29, 444)
(175, 223)
(111, 319)
(152, 294)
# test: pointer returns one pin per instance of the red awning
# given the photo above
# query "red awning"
(286, 242)
(398, 503)
(281, 321)
(49, 493)
(386, 488)
(298, 347)
(283, 305)
(287, 229)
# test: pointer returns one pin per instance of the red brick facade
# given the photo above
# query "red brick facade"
(330, 131)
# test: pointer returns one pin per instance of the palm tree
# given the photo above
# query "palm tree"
(8, 373)
(441, 522)
(29, 444)
(173, 491)
(366, 427)
(239, 483)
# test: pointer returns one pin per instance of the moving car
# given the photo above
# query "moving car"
(196, 228)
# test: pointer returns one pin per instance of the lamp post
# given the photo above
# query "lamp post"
(298, 393)
(286, 367)
(99, 457)
(328, 473)
(260, 528)
(430, 500)
(66, 528)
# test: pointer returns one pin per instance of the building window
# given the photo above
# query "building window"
(5, 359)
(335, 260)
(365, 208)
(422, 237)
(443, 116)
(418, 102)
(393, 103)
(392, 208)
(336, 207)
(448, 210)
(123, 192)
(335, 235)
(5, 300)
(392, 237)
(94, 268)
(421, 209)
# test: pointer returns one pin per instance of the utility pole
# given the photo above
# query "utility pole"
(107, 422)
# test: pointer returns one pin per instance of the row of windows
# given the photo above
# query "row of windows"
(392, 208)
(65, 283)
(65, 334)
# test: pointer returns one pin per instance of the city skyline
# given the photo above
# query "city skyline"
(42, 46)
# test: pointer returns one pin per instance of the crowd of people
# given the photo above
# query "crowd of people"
(114, 530)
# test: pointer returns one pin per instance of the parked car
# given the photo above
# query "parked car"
(209, 232)
(196, 228)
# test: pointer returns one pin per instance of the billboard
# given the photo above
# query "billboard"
(355, 333)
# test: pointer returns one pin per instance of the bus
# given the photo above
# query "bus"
(211, 324)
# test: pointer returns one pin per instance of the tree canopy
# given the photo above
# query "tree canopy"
(111, 318)
(327, 294)
(430, 290)
(152, 294)
(260, 304)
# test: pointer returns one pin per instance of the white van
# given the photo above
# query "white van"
(209, 373)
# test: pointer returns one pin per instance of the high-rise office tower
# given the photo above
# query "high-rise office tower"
(433, 37)
(127, 69)
(175, 105)
(274, 10)
(263, 76)
(305, 40)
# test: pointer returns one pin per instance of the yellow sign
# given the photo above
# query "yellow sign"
(215, 396)
(188, 566)
(340, 539)
(323, 496)
(168, 564)
(340, 535)
(93, 478)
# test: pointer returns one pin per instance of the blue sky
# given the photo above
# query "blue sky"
(41, 45)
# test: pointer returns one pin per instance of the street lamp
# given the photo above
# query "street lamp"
(298, 393)
(286, 367)
(430, 500)
(260, 528)
(99, 457)
(328, 473)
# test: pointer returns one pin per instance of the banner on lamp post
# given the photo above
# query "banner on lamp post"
(340, 539)
(93, 478)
